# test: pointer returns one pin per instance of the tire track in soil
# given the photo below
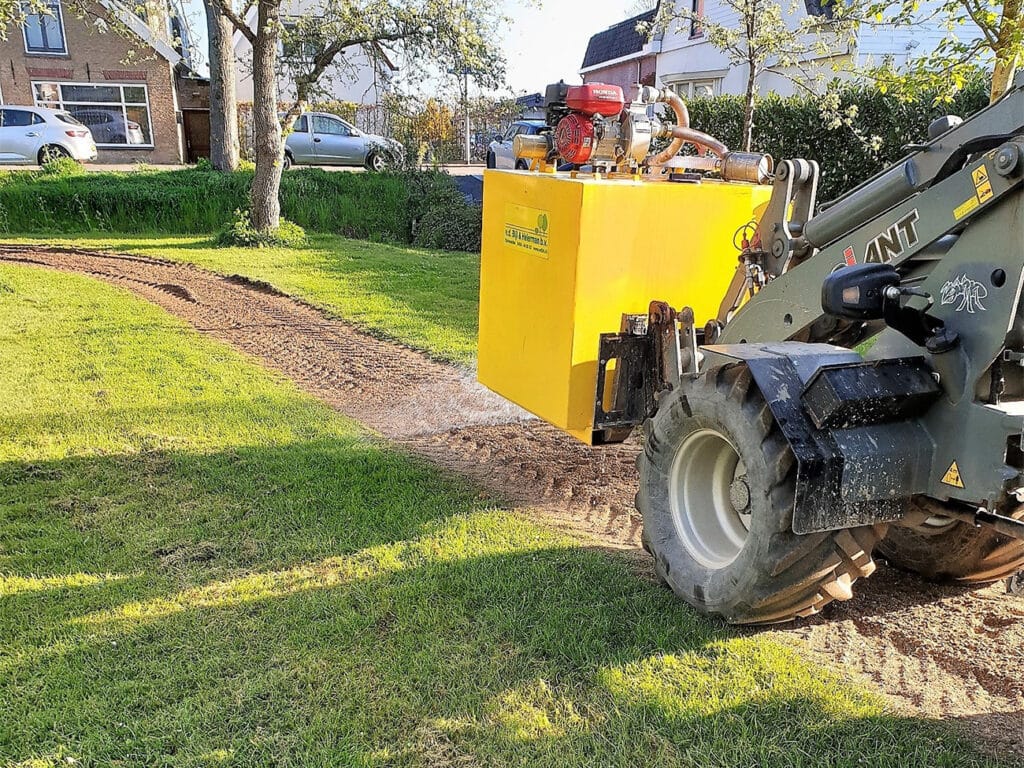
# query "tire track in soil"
(942, 651)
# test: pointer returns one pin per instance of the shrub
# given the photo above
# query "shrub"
(62, 167)
(240, 232)
(386, 207)
(800, 126)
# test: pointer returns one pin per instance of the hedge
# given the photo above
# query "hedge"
(393, 207)
(795, 127)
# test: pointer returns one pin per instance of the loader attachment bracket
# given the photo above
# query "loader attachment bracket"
(852, 426)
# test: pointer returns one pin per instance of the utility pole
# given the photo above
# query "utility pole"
(465, 108)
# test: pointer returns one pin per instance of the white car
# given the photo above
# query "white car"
(35, 135)
(499, 151)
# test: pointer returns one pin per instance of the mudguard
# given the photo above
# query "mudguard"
(853, 427)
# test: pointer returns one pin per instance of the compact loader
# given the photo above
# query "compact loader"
(814, 383)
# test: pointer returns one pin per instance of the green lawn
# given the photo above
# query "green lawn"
(201, 566)
(426, 299)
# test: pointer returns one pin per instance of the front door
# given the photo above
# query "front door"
(334, 143)
(197, 134)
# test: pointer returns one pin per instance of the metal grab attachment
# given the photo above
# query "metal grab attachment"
(652, 354)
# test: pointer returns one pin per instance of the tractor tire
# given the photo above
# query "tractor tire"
(953, 551)
(717, 484)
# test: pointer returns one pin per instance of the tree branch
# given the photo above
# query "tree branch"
(238, 22)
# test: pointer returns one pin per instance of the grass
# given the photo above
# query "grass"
(425, 299)
(201, 566)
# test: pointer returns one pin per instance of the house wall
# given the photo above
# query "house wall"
(98, 57)
(625, 74)
(686, 59)
(352, 77)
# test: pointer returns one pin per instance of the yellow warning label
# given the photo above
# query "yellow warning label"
(965, 208)
(952, 476)
(982, 184)
(527, 229)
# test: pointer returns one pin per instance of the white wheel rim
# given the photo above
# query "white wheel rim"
(704, 471)
(378, 162)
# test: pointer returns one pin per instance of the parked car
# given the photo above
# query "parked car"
(318, 138)
(32, 135)
(109, 126)
(499, 152)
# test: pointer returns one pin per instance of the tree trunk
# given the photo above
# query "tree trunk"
(1006, 49)
(748, 110)
(266, 182)
(223, 102)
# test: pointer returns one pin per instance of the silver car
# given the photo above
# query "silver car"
(499, 152)
(30, 135)
(319, 138)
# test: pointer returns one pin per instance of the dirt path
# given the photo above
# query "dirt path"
(947, 652)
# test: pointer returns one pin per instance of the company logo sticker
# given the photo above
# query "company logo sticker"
(893, 241)
(967, 294)
(526, 229)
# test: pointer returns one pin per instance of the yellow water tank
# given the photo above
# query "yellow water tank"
(563, 258)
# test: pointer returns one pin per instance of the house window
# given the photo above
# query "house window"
(297, 44)
(117, 115)
(696, 10)
(696, 89)
(44, 28)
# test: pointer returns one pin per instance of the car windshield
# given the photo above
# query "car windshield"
(64, 117)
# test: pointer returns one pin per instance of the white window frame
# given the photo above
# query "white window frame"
(122, 104)
(63, 34)
(686, 88)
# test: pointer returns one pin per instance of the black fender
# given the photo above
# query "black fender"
(853, 427)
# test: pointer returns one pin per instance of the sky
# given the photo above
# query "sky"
(546, 44)
(542, 45)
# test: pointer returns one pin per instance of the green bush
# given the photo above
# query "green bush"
(388, 207)
(62, 167)
(799, 126)
(241, 232)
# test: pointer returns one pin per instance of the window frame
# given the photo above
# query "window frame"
(697, 9)
(61, 106)
(59, 17)
(330, 119)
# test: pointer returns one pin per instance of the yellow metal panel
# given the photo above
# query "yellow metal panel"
(564, 258)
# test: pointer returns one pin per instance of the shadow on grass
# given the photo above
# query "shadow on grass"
(333, 603)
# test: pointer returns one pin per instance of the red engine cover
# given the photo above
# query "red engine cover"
(574, 138)
(595, 99)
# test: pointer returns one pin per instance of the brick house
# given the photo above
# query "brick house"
(131, 87)
(620, 55)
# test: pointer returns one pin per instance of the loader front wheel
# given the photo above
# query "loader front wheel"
(942, 549)
(717, 482)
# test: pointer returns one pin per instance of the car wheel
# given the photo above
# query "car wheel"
(491, 162)
(287, 162)
(522, 165)
(376, 162)
(52, 152)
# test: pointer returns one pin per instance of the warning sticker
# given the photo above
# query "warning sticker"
(965, 208)
(982, 184)
(952, 476)
(527, 229)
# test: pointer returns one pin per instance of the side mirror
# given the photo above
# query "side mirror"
(859, 292)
